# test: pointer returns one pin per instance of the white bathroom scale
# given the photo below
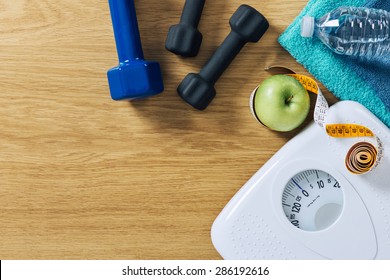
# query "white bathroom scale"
(305, 204)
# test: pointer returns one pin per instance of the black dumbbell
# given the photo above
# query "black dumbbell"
(184, 38)
(247, 25)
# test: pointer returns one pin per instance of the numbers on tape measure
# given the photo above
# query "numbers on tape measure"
(348, 131)
(308, 83)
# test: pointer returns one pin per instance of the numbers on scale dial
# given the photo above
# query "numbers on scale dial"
(312, 200)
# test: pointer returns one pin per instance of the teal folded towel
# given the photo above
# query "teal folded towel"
(376, 72)
(344, 76)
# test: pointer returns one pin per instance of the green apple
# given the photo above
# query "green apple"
(281, 103)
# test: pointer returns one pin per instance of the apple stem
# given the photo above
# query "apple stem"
(289, 99)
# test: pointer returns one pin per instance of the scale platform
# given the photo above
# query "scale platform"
(304, 203)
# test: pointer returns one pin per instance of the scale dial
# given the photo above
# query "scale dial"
(312, 200)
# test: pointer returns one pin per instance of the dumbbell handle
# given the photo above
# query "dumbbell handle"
(127, 37)
(192, 12)
(222, 57)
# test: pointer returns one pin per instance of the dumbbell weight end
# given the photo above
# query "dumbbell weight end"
(184, 38)
(196, 91)
(134, 77)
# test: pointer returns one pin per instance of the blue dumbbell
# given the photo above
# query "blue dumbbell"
(134, 77)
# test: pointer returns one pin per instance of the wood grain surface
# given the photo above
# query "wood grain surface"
(85, 177)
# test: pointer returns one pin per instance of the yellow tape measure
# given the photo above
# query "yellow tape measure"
(348, 131)
(363, 156)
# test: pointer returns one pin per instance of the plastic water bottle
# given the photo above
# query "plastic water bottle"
(355, 31)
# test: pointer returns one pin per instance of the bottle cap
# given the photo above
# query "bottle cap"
(307, 26)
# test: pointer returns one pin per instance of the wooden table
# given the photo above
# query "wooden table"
(85, 177)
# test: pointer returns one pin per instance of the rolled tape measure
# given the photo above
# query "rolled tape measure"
(363, 156)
